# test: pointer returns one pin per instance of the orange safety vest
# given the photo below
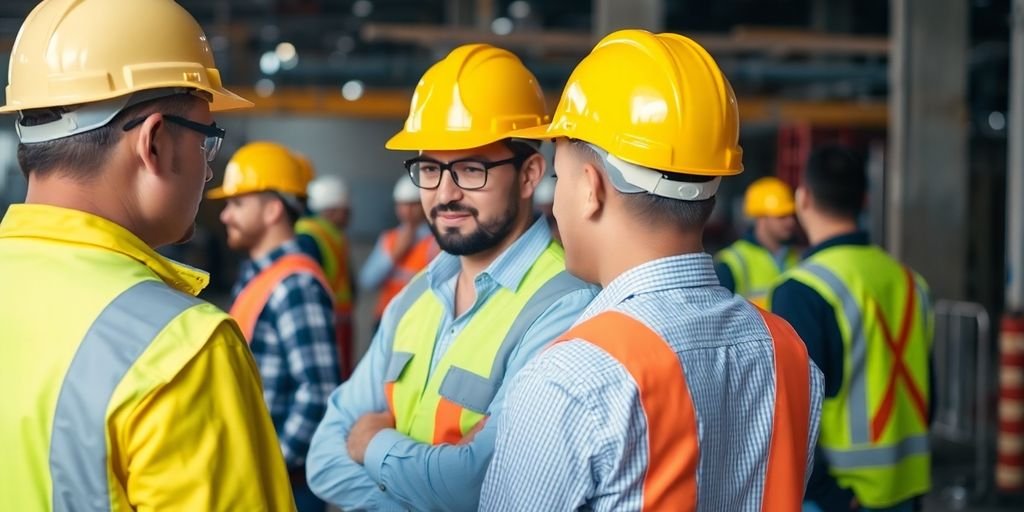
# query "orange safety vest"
(673, 438)
(253, 298)
(416, 259)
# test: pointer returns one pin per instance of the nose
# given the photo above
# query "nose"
(447, 190)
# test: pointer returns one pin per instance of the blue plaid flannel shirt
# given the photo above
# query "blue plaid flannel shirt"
(294, 348)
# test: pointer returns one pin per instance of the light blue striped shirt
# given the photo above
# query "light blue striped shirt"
(402, 473)
(574, 435)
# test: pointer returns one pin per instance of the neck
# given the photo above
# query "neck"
(275, 237)
(765, 239)
(89, 196)
(820, 228)
(646, 243)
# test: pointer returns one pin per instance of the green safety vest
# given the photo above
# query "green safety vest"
(754, 268)
(874, 432)
(442, 406)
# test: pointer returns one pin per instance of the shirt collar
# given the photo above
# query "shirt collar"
(853, 238)
(265, 261)
(673, 272)
(508, 269)
(45, 222)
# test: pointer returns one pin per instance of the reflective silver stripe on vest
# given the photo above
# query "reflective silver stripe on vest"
(878, 456)
(474, 392)
(116, 339)
(858, 396)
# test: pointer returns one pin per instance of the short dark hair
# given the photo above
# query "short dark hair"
(80, 156)
(294, 207)
(683, 215)
(837, 180)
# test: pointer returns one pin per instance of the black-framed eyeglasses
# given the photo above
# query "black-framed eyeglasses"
(468, 173)
(214, 134)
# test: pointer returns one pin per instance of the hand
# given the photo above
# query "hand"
(363, 431)
(468, 438)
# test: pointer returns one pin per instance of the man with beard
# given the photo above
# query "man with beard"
(282, 299)
(125, 391)
(753, 264)
(413, 427)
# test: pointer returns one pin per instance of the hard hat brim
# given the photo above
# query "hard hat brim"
(539, 132)
(218, 193)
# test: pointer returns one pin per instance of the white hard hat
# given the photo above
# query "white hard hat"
(406, 191)
(545, 191)
(326, 192)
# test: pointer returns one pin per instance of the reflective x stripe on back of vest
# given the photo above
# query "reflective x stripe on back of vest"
(116, 339)
(899, 371)
(670, 482)
(254, 297)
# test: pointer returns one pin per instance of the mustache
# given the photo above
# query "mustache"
(452, 207)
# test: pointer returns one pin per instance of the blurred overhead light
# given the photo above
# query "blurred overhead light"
(362, 8)
(519, 9)
(352, 90)
(264, 87)
(285, 51)
(269, 63)
(502, 26)
(997, 121)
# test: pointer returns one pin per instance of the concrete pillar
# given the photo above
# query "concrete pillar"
(926, 184)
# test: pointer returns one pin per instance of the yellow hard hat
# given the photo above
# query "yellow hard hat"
(473, 97)
(260, 167)
(75, 52)
(308, 169)
(768, 197)
(654, 100)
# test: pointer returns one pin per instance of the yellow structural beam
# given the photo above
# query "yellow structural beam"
(394, 104)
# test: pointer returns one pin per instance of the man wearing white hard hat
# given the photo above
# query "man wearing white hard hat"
(322, 235)
(401, 252)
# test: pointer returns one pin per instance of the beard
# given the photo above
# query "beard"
(487, 235)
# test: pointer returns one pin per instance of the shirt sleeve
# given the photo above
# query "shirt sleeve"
(562, 432)
(377, 267)
(332, 474)
(449, 477)
(305, 325)
(204, 441)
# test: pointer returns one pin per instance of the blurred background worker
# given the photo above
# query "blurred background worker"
(867, 321)
(414, 427)
(124, 390)
(400, 252)
(752, 264)
(543, 199)
(322, 235)
(282, 299)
